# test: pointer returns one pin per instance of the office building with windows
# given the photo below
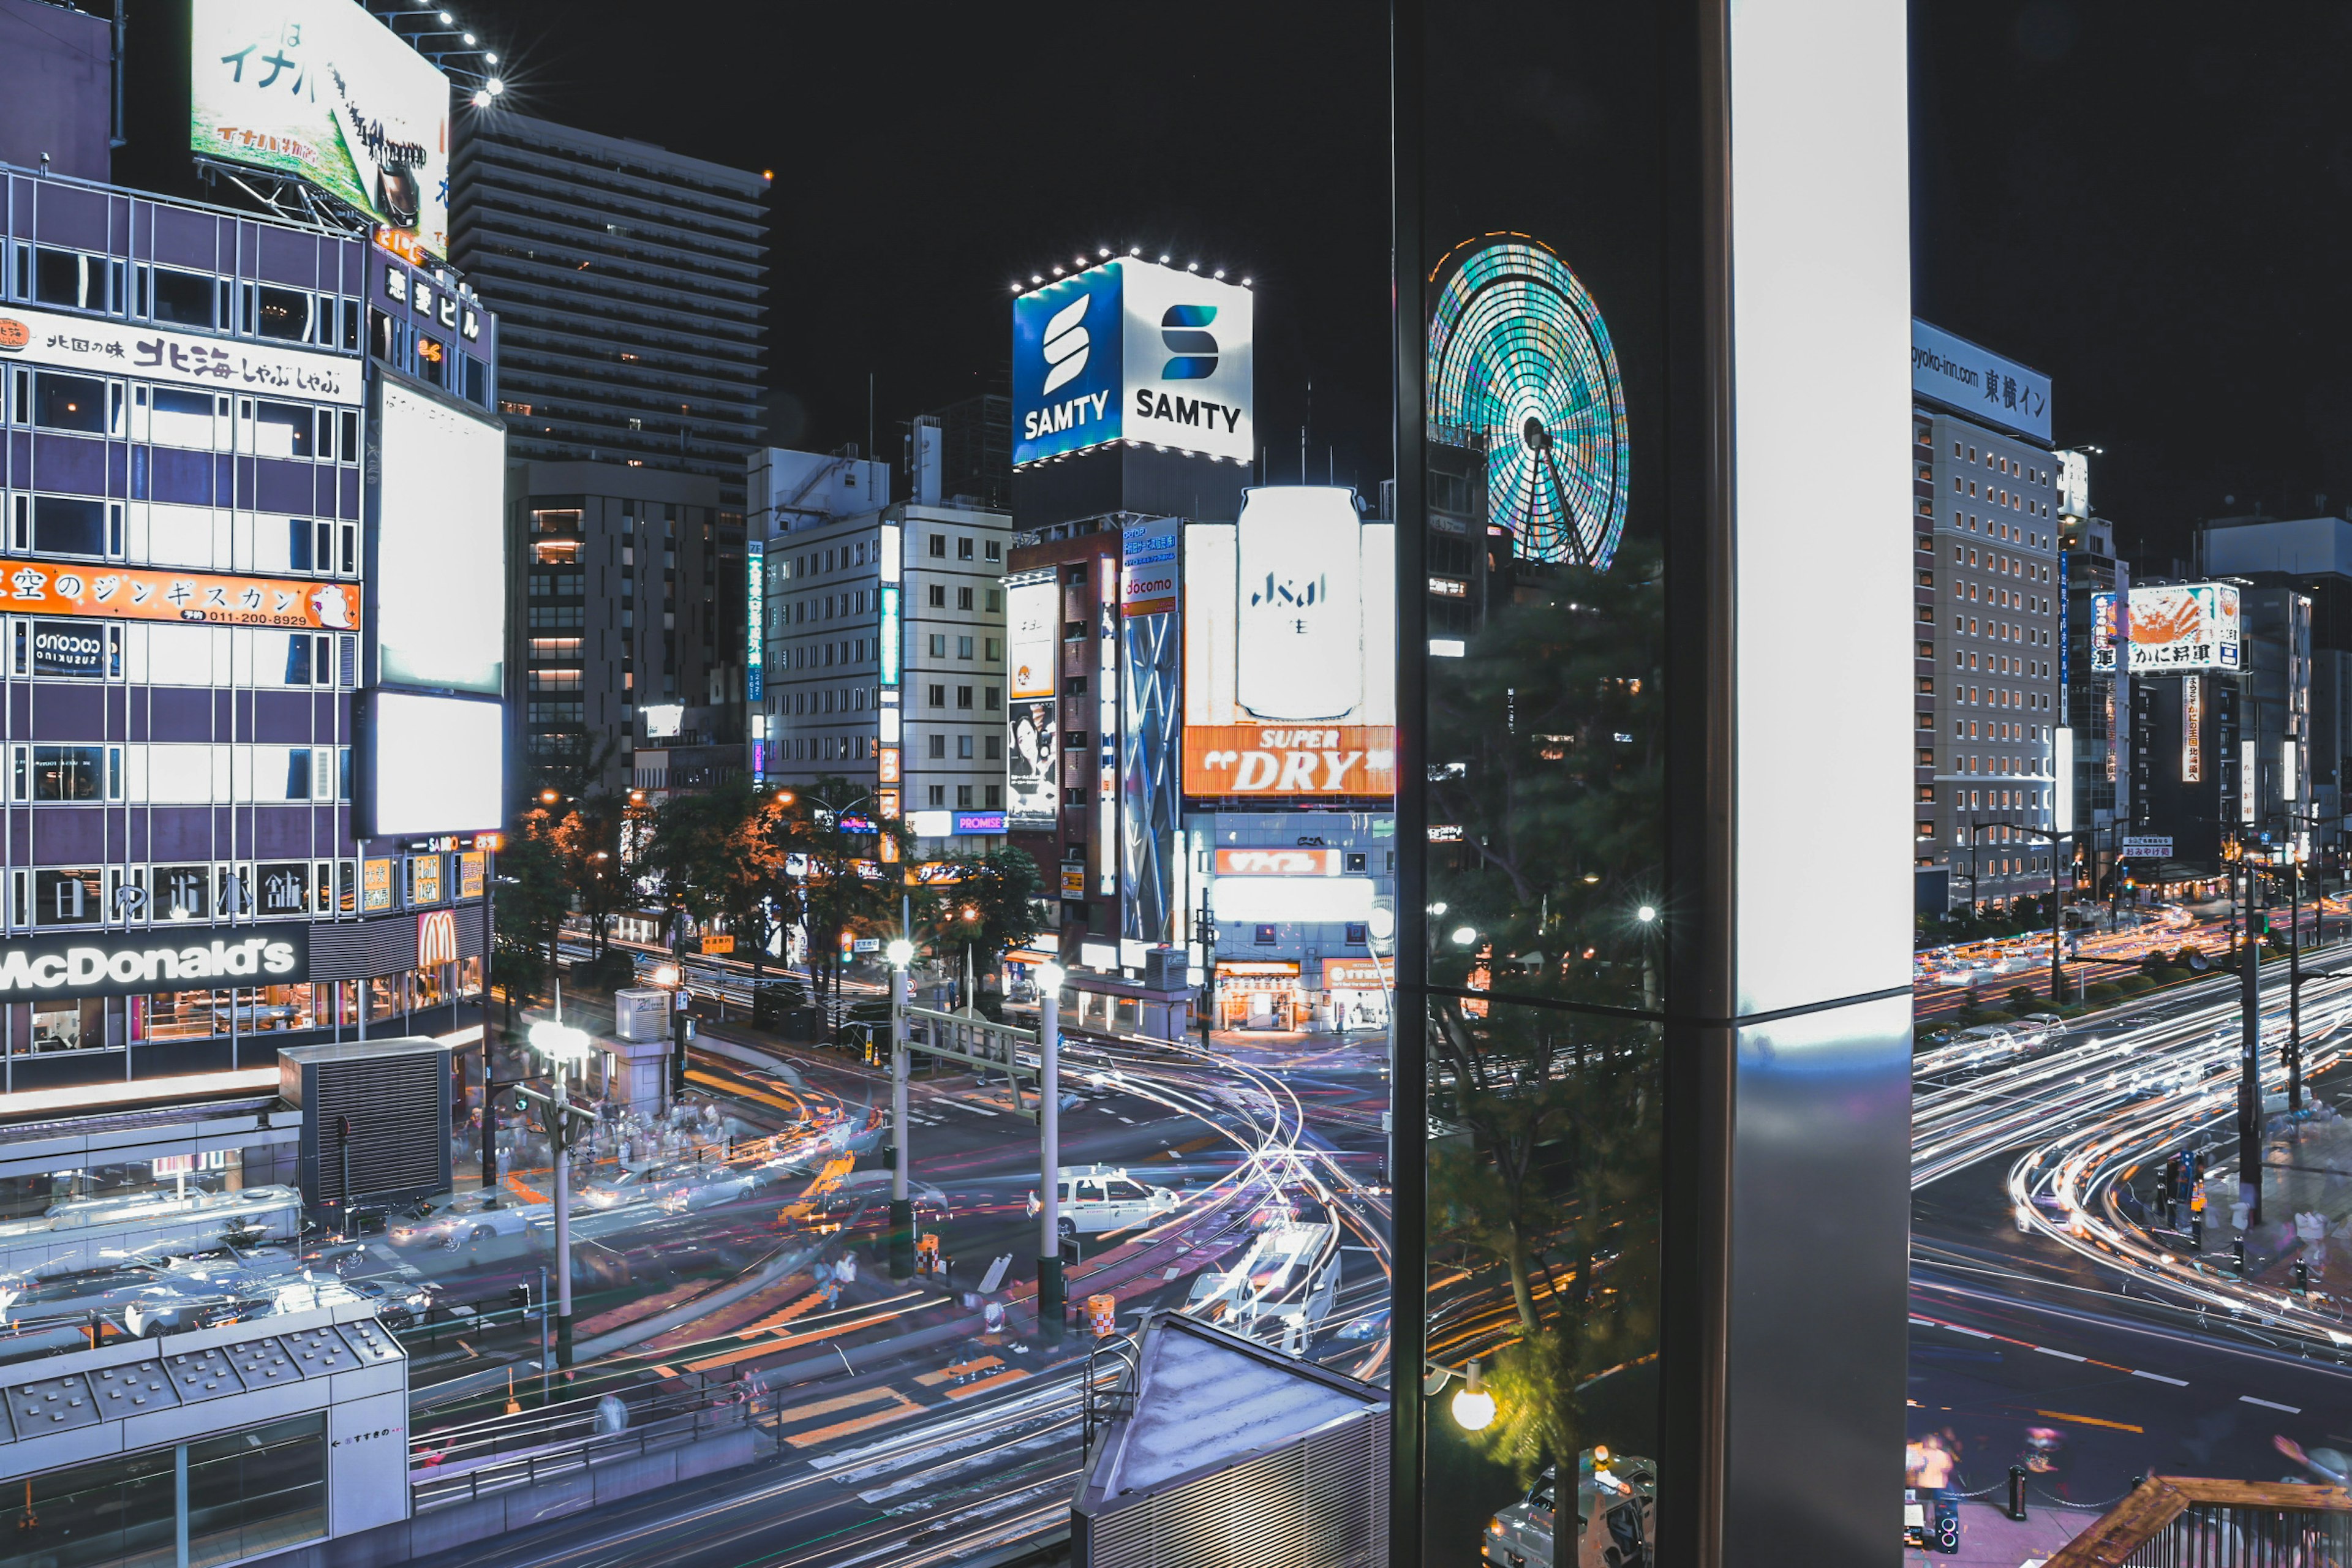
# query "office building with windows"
(2098, 702)
(208, 416)
(630, 280)
(1986, 604)
(626, 619)
(883, 652)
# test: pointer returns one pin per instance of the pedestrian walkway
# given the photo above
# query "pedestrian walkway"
(1991, 1539)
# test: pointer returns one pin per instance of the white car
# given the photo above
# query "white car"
(1098, 1198)
(655, 1183)
(716, 1185)
(470, 1218)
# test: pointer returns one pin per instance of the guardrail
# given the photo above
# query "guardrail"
(2177, 1522)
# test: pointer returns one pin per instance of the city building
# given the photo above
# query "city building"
(251, 729)
(2220, 749)
(1986, 601)
(625, 623)
(630, 279)
(2313, 556)
(2096, 716)
(883, 655)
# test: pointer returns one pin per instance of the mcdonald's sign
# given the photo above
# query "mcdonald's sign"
(436, 938)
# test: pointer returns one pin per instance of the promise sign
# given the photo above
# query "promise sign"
(125, 963)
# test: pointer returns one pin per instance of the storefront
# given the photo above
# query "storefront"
(1355, 993)
(1261, 993)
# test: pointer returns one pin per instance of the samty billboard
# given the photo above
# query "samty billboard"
(1290, 650)
(1133, 350)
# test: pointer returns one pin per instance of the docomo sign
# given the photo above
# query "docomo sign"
(113, 964)
(1278, 862)
(1250, 759)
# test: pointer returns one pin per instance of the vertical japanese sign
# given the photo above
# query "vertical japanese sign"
(755, 621)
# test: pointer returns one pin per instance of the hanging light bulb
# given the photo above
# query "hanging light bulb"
(1474, 1407)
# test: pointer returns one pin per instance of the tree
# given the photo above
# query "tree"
(1548, 759)
(853, 867)
(987, 910)
(531, 903)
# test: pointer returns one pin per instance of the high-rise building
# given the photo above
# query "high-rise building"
(250, 495)
(626, 619)
(2097, 709)
(883, 647)
(1986, 596)
(630, 280)
(2312, 555)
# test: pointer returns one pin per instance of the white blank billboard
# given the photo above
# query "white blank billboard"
(436, 765)
(440, 539)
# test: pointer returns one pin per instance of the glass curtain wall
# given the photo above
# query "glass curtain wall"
(1537, 699)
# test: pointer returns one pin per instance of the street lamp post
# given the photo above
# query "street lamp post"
(563, 1048)
(1050, 1291)
(1380, 926)
(901, 952)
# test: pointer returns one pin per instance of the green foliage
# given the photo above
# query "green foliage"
(531, 902)
(988, 909)
(2104, 991)
(1536, 1407)
(2023, 995)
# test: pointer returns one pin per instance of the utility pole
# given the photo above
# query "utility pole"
(1050, 1291)
(901, 952)
(563, 1048)
(2250, 1083)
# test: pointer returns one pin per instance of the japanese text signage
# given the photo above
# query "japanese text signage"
(322, 92)
(142, 594)
(1147, 566)
(1278, 862)
(1978, 383)
(424, 879)
(151, 353)
(755, 616)
(469, 875)
(2172, 629)
(375, 886)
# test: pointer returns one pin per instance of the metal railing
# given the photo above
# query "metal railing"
(541, 1444)
(2176, 1522)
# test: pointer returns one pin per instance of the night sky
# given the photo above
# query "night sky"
(2146, 206)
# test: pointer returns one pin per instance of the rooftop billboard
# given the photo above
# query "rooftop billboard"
(1133, 350)
(322, 92)
(1978, 384)
(2172, 629)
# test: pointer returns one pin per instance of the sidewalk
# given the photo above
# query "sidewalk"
(1991, 1539)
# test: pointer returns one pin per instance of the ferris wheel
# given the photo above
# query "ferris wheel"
(1519, 356)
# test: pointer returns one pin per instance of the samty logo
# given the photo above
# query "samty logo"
(1195, 350)
(1065, 343)
(13, 335)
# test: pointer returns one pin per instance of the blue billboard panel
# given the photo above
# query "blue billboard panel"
(1978, 384)
(1066, 354)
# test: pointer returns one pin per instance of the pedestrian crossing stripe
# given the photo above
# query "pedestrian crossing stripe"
(898, 1408)
(1012, 1374)
(961, 1369)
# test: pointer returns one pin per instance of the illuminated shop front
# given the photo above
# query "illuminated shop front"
(1261, 993)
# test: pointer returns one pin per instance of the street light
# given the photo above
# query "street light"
(1050, 1291)
(564, 1047)
(900, 952)
(1465, 935)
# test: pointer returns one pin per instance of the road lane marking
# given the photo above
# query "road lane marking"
(961, 1369)
(2061, 1355)
(2160, 1377)
(901, 1408)
(2092, 1421)
(2271, 1405)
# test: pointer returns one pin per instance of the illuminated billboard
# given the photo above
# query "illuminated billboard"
(321, 91)
(1032, 627)
(1133, 350)
(2174, 628)
(1289, 687)
(1033, 769)
(755, 618)
(440, 540)
(435, 764)
(148, 594)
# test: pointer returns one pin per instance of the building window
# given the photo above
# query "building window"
(1262, 936)
(995, 550)
(995, 748)
(963, 549)
(938, 644)
(963, 645)
(939, 545)
(939, 746)
(995, 698)
(938, 696)
(939, 596)
(963, 795)
(995, 797)
(963, 697)
(964, 748)
(963, 599)
(939, 797)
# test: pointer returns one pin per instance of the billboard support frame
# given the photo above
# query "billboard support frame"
(290, 200)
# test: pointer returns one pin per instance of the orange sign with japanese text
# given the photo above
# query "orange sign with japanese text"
(144, 594)
(1289, 759)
